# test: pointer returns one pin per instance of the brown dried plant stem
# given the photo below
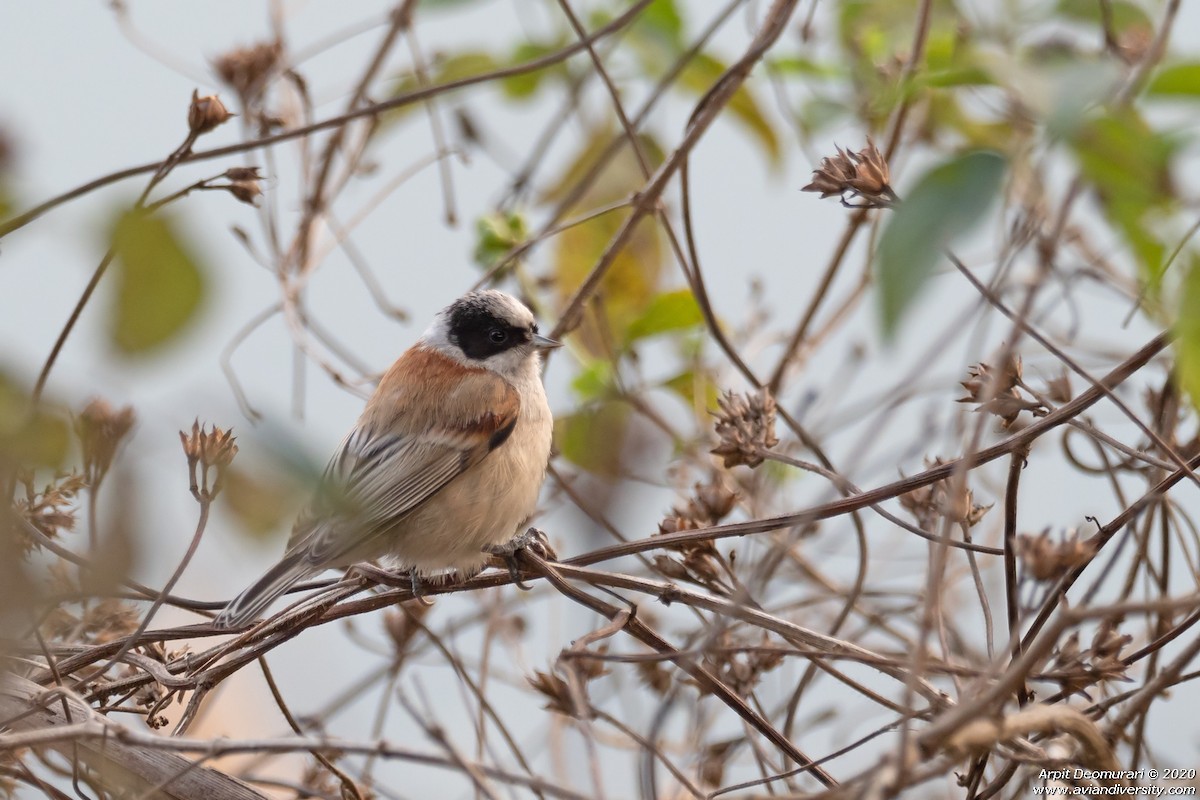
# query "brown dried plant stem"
(1011, 599)
(193, 545)
(649, 197)
(161, 171)
(349, 787)
(855, 224)
(708, 682)
(374, 109)
(1022, 438)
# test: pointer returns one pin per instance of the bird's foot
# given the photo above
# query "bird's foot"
(532, 540)
(409, 579)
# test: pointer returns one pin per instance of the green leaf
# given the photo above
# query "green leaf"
(159, 283)
(1129, 165)
(30, 436)
(593, 437)
(497, 235)
(442, 4)
(702, 72)
(445, 68)
(662, 21)
(947, 201)
(1125, 15)
(698, 390)
(1177, 80)
(263, 499)
(798, 65)
(669, 311)
(594, 380)
(519, 87)
(1187, 328)
(632, 280)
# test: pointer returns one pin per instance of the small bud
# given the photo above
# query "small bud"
(242, 174)
(100, 429)
(248, 192)
(1059, 389)
(715, 499)
(206, 113)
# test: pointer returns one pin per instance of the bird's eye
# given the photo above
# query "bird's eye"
(498, 336)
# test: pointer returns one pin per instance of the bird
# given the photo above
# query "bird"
(445, 463)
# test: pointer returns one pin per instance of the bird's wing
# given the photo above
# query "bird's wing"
(377, 477)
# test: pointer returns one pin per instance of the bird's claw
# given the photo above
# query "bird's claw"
(410, 580)
(532, 540)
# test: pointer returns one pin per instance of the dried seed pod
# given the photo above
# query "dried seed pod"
(206, 113)
(746, 427)
(100, 429)
(863, 174)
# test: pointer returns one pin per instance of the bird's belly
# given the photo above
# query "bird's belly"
(452, 529)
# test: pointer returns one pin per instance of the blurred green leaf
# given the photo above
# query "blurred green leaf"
(593, 437)
(702, 72)
(669, 311)
(1129, 166)
(1187, 328)
(632, 280)
(1177, 80)
(443, 70)
(956, 76)
(497, 234)
(1125, 15)
(798, 65)
(662, 21)
(263, 499)
(818, 113)
(697, 390)
(159, 283)
(947, 201)
(526, 84)
(594, 380)
(30, 436)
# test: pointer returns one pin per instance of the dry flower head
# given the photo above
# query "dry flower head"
(52, 510)
(709, 504)
(244, 184)
(402, 624)
(996, 391)
(207, 451)
(100, 429)
(247, 69)
(206, 113)
(947, 498)
(1076, 669)
(741, 664)
(746, 427)
(1045, 560)
(556, 691)
(863, 174)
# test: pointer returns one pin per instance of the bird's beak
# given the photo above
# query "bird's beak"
(544, 342)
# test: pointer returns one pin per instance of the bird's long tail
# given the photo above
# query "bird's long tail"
(250, 603)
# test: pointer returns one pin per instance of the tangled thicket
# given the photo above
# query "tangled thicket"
(857, 589)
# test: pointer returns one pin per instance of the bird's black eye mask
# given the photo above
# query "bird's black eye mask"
(480, 334)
